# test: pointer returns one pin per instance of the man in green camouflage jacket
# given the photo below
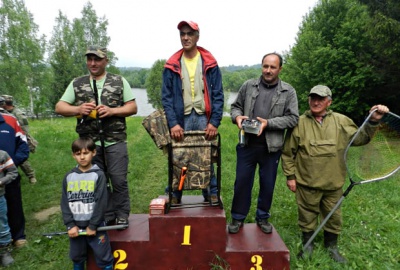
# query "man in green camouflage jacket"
(104, 121)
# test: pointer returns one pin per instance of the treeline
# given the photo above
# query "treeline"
(352, 46)
(232, 76)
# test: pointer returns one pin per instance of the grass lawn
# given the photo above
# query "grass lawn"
(371, 229)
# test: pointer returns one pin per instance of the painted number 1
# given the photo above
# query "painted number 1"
(186, 236)
(257, 260)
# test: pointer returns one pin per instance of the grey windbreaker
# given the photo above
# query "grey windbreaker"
(84, 198)
(284, 111)
(8, 170)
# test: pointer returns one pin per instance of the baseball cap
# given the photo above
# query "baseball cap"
(97, 50)
(191, 24)
(8, 99)
(321, 90)
(1, 101)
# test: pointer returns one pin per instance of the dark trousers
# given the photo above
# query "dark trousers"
(247, 160)
(16, 218)
(100, 245)
(117, 169)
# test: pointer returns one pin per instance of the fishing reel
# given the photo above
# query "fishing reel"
(251, 126)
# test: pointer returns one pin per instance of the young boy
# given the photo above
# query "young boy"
(8, 173)
(83, 204)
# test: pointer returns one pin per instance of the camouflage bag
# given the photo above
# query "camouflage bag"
(196, 154)
(157, 127)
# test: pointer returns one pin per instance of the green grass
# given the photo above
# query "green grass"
(371, 229)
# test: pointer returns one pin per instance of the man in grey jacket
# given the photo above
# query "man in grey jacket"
(272, 105)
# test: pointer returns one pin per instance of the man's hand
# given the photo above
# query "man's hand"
(378, 114)
(239, 119)
(264, 123)
(104, 111)
(86, 108)
(176, 133)
(211, 132)
(291, 184)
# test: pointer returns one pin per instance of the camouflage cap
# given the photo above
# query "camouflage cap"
(8, 99)
(97, 50)
(321, 90)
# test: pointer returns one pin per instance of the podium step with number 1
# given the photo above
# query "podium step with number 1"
(194, 238)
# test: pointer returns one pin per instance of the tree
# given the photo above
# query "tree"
(69, 43)
(383, 31)
(21, 53)
(332, 49)
(232, 80)
(136, 76)
(154, 84)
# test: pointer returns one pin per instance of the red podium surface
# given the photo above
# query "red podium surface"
(194, 238)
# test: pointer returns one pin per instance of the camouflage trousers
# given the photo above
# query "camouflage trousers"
(27, 169)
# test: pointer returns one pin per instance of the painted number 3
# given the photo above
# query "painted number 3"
(121, 256)
(257, 260)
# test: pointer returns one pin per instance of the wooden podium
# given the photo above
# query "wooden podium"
(193, 238)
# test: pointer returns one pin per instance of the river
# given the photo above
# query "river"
(144, 108)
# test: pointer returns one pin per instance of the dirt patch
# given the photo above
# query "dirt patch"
(44, 214)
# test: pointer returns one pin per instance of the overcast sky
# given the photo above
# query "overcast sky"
(143, 31)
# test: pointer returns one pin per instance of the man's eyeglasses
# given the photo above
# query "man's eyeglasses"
(189, 34)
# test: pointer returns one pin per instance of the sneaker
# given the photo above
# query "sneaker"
(235, 226)
(122, 221)
(264, 225)
(20, 243)
(6, 259)
(32, 180)
(5, 255)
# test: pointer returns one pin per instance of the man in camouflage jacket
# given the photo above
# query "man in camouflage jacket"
(104, 121)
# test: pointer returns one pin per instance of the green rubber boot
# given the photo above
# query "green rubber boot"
(330, 241)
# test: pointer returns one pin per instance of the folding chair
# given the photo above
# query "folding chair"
(190, 164)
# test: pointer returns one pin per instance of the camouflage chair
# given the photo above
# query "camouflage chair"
(196, 154)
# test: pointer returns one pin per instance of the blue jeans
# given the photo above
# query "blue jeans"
(5, 235)
(195, 121)
(247, 160)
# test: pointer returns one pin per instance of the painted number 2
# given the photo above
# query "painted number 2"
(121, 256)
(257, 260)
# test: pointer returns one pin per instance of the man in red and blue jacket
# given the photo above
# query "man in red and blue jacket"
(192, 93)
(14, 142)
